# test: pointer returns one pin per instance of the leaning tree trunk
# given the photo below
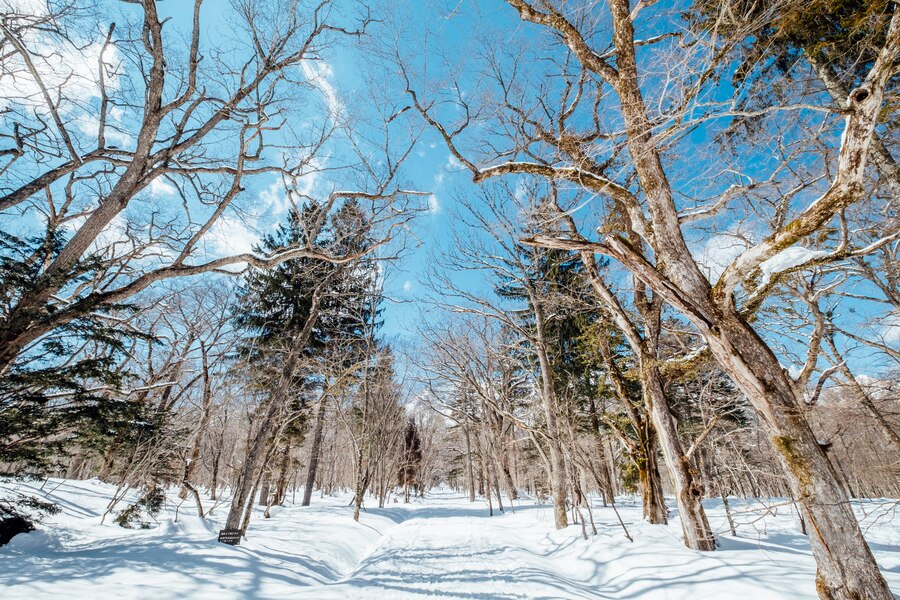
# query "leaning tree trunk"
(698, 534)
(643, 452)
(250, 469)
(259, 444)
(846, 569)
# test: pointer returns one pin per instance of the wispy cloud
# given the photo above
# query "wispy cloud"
(320, 74)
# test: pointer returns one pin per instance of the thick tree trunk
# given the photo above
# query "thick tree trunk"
(214, 483)
(698, 534)
(362, 483)
(846, 568)
(251, 468)
(604, 479)
(506, 475)
(284, 471)
(258, 446)
(315, 450)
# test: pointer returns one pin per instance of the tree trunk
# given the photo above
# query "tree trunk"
(698, 535)
(190, 464)
(470, 471)
(846, 569)
(250, 469)
(214, 483)
(558, 485)
(259, 444)
(603, 475)
(506, 475)
(652, 498)
(362, 483)
(314, 452)
(284, 470)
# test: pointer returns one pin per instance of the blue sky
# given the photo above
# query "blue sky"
(343, 78)
(430, 167)
(452, 27)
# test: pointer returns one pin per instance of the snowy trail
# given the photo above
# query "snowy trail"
(441, 547)
(451, 552)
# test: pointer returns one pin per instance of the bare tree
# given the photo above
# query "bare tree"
(544, 145)
(194, 137)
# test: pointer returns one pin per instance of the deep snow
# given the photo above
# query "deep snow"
(442, 546)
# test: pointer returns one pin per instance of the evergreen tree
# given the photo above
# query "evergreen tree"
(274, 305)
(65, 389)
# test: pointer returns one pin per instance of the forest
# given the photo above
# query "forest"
(622, 275)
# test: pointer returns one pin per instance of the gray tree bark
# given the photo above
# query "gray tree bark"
(315, 450)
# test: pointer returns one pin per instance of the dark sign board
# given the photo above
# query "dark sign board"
(230, 536)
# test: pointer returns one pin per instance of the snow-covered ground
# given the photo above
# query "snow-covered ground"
(441, 546)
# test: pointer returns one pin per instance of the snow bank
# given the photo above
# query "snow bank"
(442, 546)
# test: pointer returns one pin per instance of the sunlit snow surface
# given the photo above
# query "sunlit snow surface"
(441, 547)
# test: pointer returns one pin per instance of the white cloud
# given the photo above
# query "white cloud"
(160, 187)
(90, 125)
(890, 328)
(451, 164)
(720, 251)
(519, 191)
(308, 184)
(36, 8)
(229, 236)
(273, 200)
(70, 66)
(408, 286)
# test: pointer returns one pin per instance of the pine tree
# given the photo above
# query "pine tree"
(64, 391)
(293, 316)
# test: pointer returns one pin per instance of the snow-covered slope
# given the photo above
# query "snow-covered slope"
(442, 546)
